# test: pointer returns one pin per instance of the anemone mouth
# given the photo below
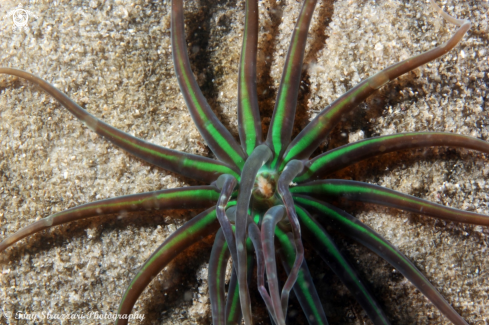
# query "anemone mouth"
(265, 185)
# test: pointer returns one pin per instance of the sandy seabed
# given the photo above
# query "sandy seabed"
(114, 59)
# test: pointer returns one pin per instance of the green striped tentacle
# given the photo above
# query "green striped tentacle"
(217, 137)
(185, 164)
(304, 288)
(256, 160)
(278, 307)
(326, 248)
(226, 183)
(353, 228)
(249, 122)
(255, 236)
(216, 278)
(363, 192)
(346, 155)
(316, 131)
(180, 198)
(233, 307)
(228, 312)
(282, 122)
(290, 171)
(191, 232)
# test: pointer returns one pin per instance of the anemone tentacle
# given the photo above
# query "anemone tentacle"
(255, 236)
(315, 132)
(194, 230)
(249, 122)
(370, 193)
(218, 138)
(304, 288)
(233, 306)
(288, 174)
(228, 313)
(354, 228)
(272, 217)
(226, 183)
(325, 247)
(189, 198)
(280, 131)
(193, 166)
(216, 278)
(344, 156)
(256, 160)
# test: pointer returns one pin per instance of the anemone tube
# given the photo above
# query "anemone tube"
(254, 177)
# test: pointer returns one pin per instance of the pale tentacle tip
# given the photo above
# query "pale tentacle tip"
(447, 17)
